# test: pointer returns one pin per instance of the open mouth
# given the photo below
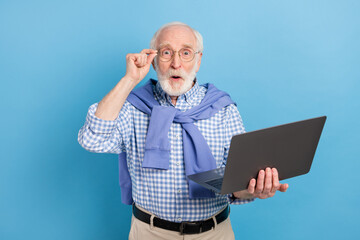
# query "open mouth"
(175, 77)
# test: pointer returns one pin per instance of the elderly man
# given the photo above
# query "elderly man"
(165, 131)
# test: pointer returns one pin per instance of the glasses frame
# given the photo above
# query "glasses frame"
(178, 54)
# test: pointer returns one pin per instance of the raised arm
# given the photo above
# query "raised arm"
(137, 67)
(106, 130)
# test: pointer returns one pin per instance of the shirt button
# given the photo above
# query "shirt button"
(179, 219)
(179, 190)
(178, 163)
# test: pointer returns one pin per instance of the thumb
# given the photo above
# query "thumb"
(151, 58)
(283, 187)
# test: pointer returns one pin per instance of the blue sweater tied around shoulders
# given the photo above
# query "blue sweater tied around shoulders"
(197, 154)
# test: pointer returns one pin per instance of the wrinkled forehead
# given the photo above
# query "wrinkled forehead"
(176, 37)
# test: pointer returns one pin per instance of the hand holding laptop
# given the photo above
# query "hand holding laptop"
(257, 160)
(265, 186)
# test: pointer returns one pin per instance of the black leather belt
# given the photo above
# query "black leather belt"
(183, 227)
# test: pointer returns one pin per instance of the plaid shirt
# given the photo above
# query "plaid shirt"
(164, 192)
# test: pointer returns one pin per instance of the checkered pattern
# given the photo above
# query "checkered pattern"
(164, 192)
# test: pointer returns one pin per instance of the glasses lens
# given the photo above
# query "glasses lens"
(166, 53)
(187, 54)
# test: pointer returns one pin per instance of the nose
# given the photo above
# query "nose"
(176, 62)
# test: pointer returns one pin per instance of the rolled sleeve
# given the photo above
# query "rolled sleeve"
(105, 136)
(98, 125)
(237, 201)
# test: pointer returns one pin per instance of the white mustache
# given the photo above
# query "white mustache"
(181, 73)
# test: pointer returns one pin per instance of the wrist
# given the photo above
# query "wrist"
(244, 195)
(129, 81)
(127, 84)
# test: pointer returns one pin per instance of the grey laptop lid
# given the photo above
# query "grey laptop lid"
(290, 148)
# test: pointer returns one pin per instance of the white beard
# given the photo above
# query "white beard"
(177, 88)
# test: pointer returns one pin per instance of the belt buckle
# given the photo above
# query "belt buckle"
(184, 224)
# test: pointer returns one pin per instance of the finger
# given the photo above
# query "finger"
(143, 59)
(275, 179)
(135, 57)
(130, 57)
(260, 182)
(251, 187)
(150, 58)
(139, 60)
(268, 181)
(284, 187)
(148, 51)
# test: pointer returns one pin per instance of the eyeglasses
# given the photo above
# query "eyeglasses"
(186, 54)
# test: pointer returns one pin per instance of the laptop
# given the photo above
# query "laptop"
(290, 148)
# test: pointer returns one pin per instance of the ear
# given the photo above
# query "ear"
(199, 62)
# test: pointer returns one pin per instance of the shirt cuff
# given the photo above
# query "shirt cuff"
(98, 125)
(238, 201)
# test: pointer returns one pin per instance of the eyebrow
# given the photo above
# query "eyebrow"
(167, 44)
(164, 44)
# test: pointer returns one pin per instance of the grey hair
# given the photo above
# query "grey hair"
(199, 38)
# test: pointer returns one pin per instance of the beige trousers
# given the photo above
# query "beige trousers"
(143, 231)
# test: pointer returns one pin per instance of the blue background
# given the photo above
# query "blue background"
(281, 61)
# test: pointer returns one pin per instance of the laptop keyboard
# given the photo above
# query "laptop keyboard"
(216, 183)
